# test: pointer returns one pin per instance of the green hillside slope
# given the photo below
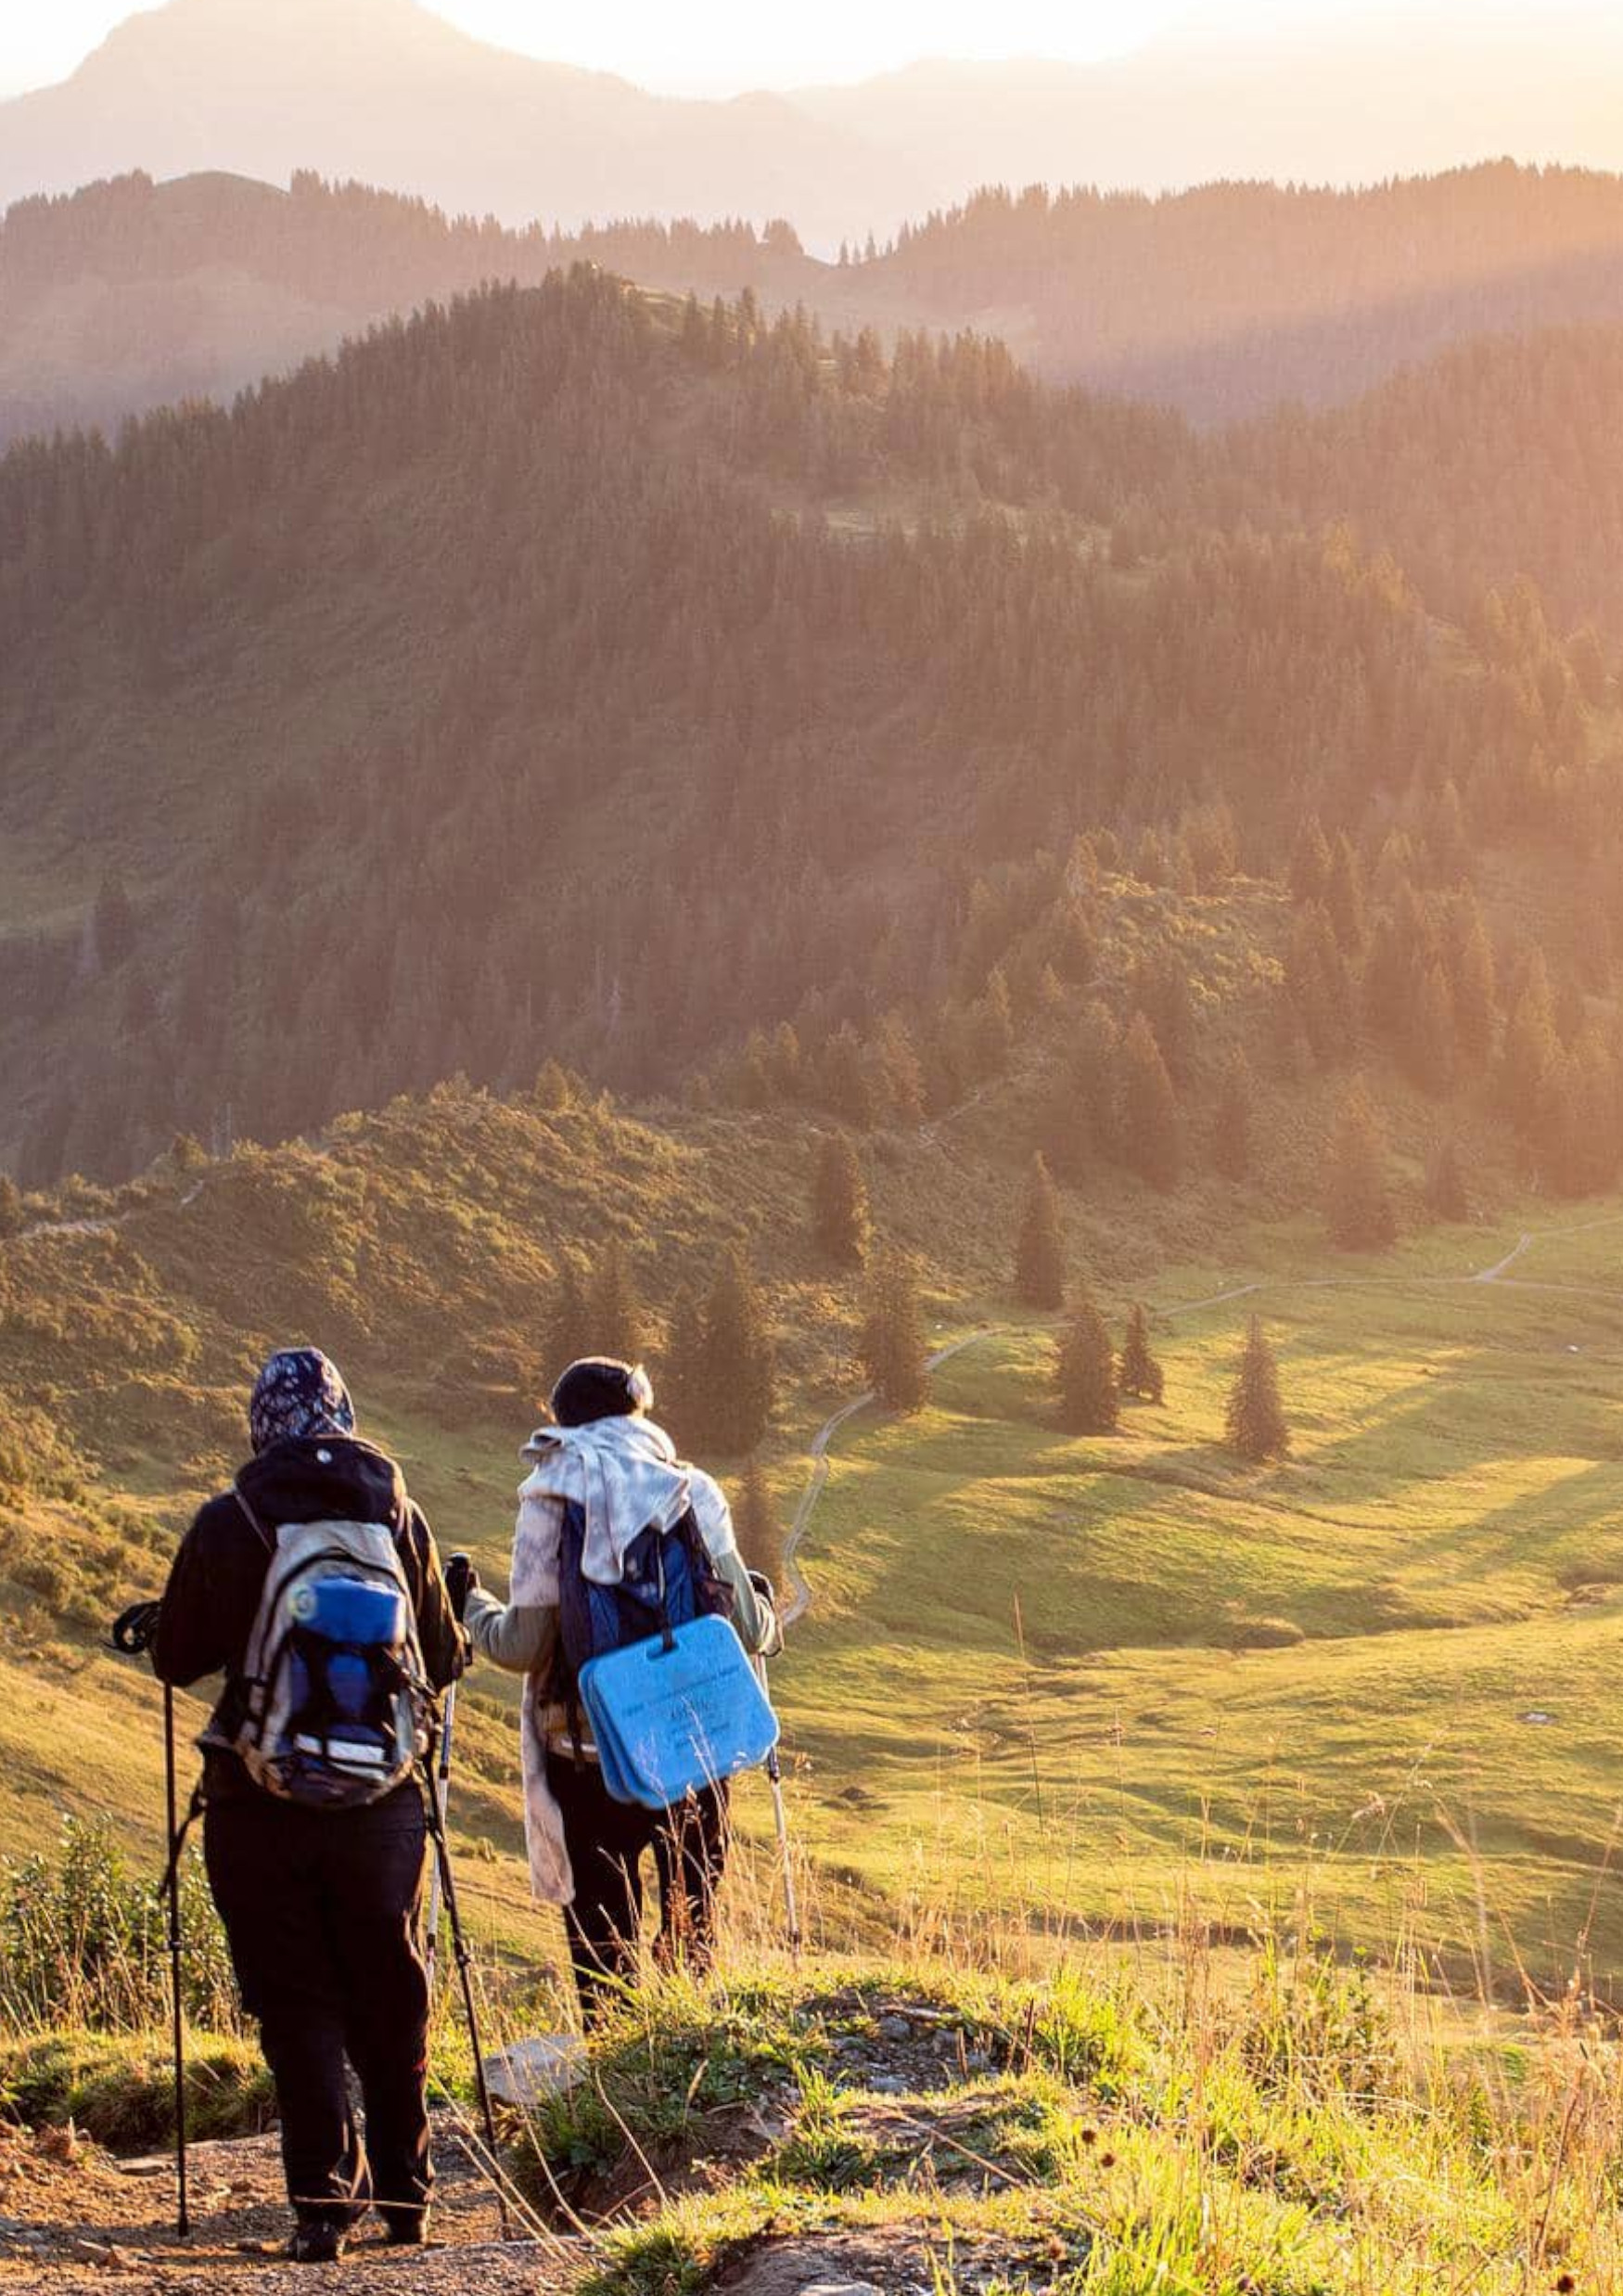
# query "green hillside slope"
(638, 678)
(1074, 1680)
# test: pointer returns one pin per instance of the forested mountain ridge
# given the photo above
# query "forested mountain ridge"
(1234, 297)
(130, 294)
(1225, 301)
(572, 674)
(1497, 460)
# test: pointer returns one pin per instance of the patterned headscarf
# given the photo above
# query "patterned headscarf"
(299, 1393)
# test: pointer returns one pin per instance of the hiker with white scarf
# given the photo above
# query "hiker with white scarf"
(606, 1454)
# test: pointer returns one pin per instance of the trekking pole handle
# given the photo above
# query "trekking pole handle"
(133, 1631)
(461, 1578)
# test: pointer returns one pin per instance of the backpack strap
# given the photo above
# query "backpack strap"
(241, 1497)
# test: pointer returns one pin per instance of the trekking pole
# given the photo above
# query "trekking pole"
(183, 2223)
(464, 1961)
(440, 1786)
(131, 1634)
(775, 1779)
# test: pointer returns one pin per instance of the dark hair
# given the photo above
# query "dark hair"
(600, 1387)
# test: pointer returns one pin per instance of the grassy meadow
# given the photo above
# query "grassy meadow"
(1088, 1681)
(1080, 1684)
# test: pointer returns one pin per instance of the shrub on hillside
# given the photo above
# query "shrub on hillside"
(83, 1941)
(1264, 1633)
(118, 2088)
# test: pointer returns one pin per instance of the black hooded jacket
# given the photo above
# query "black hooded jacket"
(212, 1596)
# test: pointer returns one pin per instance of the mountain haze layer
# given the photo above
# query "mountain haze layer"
(386, 90)
(1223, 301)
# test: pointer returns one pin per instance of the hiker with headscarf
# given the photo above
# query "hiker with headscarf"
(605, 1462)
(320, 1904)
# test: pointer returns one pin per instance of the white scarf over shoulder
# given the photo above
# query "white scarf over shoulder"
(624, 1472)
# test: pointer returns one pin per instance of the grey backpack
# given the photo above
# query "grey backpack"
(335, 1694)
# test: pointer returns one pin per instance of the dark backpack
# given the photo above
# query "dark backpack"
(668, 1580)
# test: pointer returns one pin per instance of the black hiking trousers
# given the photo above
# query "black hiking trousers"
(607, 1841)
(321, 1913)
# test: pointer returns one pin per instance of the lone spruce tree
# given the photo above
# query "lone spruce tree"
(840, 1217)
(1255, 1422)
(756, 1520)
(1141, 1373)
(614, 1311)
(1090, 1396)
(1152, 1129)
(1039, 1247)
(1357, 1208)
(1232, 1122)
(891, 1344)
(567, 1332)
(734, 1374)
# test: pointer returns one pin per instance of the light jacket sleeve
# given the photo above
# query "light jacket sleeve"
(752, 1614)
(520, 1638)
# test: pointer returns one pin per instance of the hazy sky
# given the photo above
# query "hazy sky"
(724, 48)
(727, 47)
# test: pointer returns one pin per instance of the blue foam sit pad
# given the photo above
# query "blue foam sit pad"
(667, 1722)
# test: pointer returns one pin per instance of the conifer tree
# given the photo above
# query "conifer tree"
(1318, 983)
(1039, 1247)
(1073, 942)
(1151, 1131)
(613, 1310)
(1471, 971)
(566, 1333)
(1532, 1050)
(729, 1395)
(755, 1517)
(840, 1216)
(787, 1064)
(899, 1071)
(1445, 1182)
(1358, 1205)
(994, 1026)
(1344, 896)
(1254, 1421)
(1309, 864)
(680, 1374)
(1085, 1372)
(1066, 1127)
(891, 1344)
(1141, 1373)
(847, 1083)
(552, 1093)
(1434, 1040)
(112, 923)
(1231, 1140)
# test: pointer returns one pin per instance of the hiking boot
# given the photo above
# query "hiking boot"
(317, 2242)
